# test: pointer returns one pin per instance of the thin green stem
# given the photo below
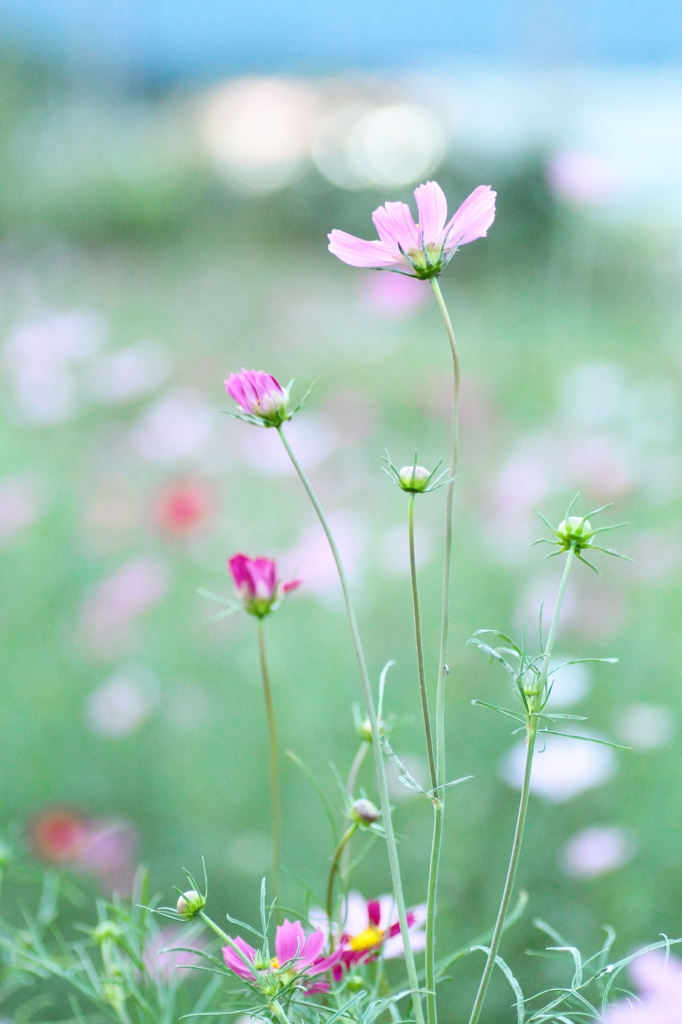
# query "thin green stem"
(531, 737)
(277, 1009)
(436, 843)
(229, 941)
(274, 766)
(350, 789)
(382, 786)
(420, 647)
(336, 860)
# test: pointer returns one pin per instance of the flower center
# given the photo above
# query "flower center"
(275, 963)
(371, 936)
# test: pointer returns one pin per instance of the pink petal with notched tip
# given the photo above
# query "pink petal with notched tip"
(472, 219)
(289, 942)
(312, 949)
(359, 253)
(396, 227)
(433, 209)
(320, 966)
(374, 912)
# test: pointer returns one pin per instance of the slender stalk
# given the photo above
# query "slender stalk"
(420, 646)
(350, 789)
(336, 860)
(437, 840)
(531, 737)
(355, 768)
(382, 786)
(274, 765)
(277, 1010)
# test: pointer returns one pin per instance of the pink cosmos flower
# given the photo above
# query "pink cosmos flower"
(257, 584)
(297, 955)
(259, 395)
(659, 980)
(427, 247)
(371, 927)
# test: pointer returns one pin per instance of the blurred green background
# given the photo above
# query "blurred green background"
(144, 257)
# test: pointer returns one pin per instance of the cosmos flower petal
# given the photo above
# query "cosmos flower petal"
(472, 219)
(396, 227)
(289, 941)
(359, 253)
(433, 209)
(312, 947)
(234, 961)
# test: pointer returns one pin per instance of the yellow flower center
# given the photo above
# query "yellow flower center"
(366, 940)
(275, 963)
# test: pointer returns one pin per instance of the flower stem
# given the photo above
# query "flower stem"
(355, 767)
(531, 737)
(277, 1010)
(420, 647)
(274, 765)
(382, 786)
(442, 665)
(336, 860)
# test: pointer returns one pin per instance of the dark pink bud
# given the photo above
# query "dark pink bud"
(259, 394)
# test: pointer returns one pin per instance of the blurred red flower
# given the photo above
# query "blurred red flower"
(182, 508)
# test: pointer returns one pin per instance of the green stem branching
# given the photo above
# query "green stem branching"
(532, 721)
(391, 845)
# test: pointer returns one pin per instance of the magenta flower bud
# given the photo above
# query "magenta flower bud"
(414, 478)
(259, 395)
(257, 584)
(190, 904)
(425, 248)
(364, 812)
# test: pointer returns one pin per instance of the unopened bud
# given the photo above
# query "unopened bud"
(364, 812)
(365, 729)
(413, 478)
(107, 930)
(355, 983)
(574, 532)
(190, 904)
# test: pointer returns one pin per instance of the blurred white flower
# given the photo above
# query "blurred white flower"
(583, 176)
(20, 504)
(595, 851)
(565, 768)
(119, 706)
(570, 684)
(645, 726)
(312, 560)
(394, 551)
(112, 605)
(177, 428)
(128, 373)
(257, 131)
(310, 437)
(39, 358)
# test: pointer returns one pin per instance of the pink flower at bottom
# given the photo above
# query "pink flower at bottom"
(297, 956)
(424, 248)
(659, 980)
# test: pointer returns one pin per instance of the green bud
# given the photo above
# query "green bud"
(574, 532)
(354, 983)
(107, 930)
(364, 812)
(365, 729)
(414, 478)
(190, 904)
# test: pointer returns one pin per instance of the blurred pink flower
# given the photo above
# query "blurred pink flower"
(259, 394)
(406, 244)
(175, 429)
(595, 851)
(163, 961)
(582, 176)
(312, 554)
(296, 955)
(658, 977)
(257, 584)
(105, 849)
(394, 295)
(564, 767)
(183, 508)
(113, 605)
